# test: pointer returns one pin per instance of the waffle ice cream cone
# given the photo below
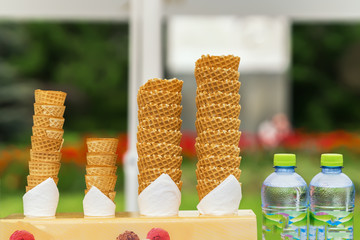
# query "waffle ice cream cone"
(227, 62)
(144, 149)
(105, 183)
(49, 110)
(227, 137)
(102, 145)
(168, 123)
(159, 110)
(151, 174)
(33, 181)
(158, 97)
(52, 157)
(219, 161)
(48, 122)
(43, 168)
(52, 133)
(203, 150)
(205, 186)
(171, 85)
(144, 185)
(43, 144)
(205, 98)
(216, 123)
(159, 161)
(50, 97)
(216, 173)
(218, 74)
(225, 86)
(219, 110)
(101, 159)
(158, 136)
(100, 170)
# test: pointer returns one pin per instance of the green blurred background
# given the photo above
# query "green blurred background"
(90, 62)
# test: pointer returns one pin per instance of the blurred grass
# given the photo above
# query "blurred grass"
(255, 166)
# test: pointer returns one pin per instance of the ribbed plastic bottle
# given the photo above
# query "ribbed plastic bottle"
(284, 200)
(332, 197)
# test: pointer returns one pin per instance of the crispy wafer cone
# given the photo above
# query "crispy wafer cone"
(100, 170)
(205, 98)
(52, 133)
(219, 161)
(144, 149)
(145, 184)
(205, 186)
(110, 195)
(44, 144)
(229, 62)
(159, 161)
(50, 97)
(227, 137)
(216, 173)
(49, 110)
(158, 97)
(151, 174)
(218, 74)
(159, 110)
(46, 121)
(159, 136)
(168, 123)
(203, 150)
(171, 85)
(53, 157)
(33, 181)
(101, 159)
(43, 168)
(207, 123)
(225, 86)
(102, 145)
(102, 182)
(219, 110)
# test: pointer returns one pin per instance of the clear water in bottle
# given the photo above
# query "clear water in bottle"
(284, 201)
(332, 197)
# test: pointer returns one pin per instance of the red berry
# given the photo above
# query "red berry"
(158, 234)
(22, 235)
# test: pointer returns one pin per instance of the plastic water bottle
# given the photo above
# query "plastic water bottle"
(332, 197)
(284, 201)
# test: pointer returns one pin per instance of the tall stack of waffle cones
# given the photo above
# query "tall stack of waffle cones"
(159, 133)
(217, 121)
(101, 165)
(47, 138)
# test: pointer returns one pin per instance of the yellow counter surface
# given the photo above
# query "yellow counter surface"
(188, 225)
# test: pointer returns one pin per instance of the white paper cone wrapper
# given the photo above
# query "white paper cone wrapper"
(97, 204)
(222, 200)
(161, 198)
(42, 200)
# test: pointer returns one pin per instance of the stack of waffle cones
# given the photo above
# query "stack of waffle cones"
(217, 121)
(101, 165)
(47, 138)
(159, 133)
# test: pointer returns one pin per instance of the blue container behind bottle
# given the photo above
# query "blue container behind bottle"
(284, 201)
(332, 197)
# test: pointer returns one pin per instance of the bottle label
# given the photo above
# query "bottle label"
(331, 225)
(287, 225)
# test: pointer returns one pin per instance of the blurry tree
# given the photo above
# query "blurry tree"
(325, 74)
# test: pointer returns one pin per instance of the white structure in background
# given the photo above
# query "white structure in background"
(145, 53)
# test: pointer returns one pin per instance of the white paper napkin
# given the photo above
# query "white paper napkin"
(97, 204)
(42, 200)
(222, 200)
(161, 198)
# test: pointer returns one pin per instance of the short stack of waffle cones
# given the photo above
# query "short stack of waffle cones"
(159, 133)
(101, 165)
(47, 138)
(217, 121)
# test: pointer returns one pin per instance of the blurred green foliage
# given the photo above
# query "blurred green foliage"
(326, 76)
